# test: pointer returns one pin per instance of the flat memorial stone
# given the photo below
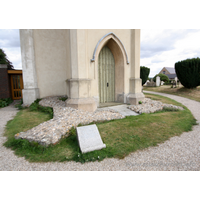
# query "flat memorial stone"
(89, 138)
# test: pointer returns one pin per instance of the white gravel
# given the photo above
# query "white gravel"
(178, 153)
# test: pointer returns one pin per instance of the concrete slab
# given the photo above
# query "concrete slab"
(109, 104)
(89, 138)
(122, 109)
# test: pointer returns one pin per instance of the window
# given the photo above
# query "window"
(163, 72)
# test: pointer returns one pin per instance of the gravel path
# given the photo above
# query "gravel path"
(178, 153)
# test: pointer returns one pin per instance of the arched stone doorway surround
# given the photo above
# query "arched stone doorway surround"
(121, 63)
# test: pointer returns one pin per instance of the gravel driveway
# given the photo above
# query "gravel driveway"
(178, 153)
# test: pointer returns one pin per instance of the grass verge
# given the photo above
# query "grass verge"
(193, 94)
(120, 136)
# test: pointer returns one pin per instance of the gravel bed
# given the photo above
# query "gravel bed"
(151, 106)
(50, 132)
(177, 153)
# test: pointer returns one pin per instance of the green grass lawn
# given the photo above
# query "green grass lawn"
(120, 136)
(193, 94)
(25, 120)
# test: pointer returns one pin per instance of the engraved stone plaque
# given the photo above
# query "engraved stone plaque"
(89, 138)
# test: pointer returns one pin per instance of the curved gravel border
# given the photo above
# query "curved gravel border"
(177, 153)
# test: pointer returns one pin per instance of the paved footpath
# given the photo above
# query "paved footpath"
(177, 153)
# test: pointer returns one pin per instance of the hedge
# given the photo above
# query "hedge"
(144, 73)
(188, 72)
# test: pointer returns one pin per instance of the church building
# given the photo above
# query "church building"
(89, 66)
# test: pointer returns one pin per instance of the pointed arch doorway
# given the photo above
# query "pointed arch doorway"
(117, 83)
(106, 75)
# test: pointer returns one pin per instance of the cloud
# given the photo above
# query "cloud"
(157, 60)
(10, 43)
(155, 42)
(197, 54)
(9, 38)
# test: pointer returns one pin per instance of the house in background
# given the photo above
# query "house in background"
(89, 66)
(11, 83)
(169, 71)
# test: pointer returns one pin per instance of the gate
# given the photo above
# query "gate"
(106, 74)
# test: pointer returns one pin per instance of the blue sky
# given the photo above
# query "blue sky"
(159, 47)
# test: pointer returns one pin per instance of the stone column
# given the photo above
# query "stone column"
(157, 81)
(79, 84)
(31, 90)
(135, 89)
(176, 79)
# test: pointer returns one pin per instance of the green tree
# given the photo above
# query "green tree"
(163, 77)
(144, 73)
(4, 59)
(188, 72)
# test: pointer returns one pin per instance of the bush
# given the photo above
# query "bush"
(144, 73)
(5, 102)
(63, 98)
(188, 72)
(163, 77)
(167, 82)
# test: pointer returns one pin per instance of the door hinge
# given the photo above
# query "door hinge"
(107, 84)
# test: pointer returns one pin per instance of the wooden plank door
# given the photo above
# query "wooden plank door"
(106, 74)
(16, 86)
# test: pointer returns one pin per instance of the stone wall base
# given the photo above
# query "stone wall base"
(96, 98)
(86, 104)
(122, 98)
(133, 99)
(30, 95)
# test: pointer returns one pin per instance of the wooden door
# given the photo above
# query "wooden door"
(16, 86)
(106, 73)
